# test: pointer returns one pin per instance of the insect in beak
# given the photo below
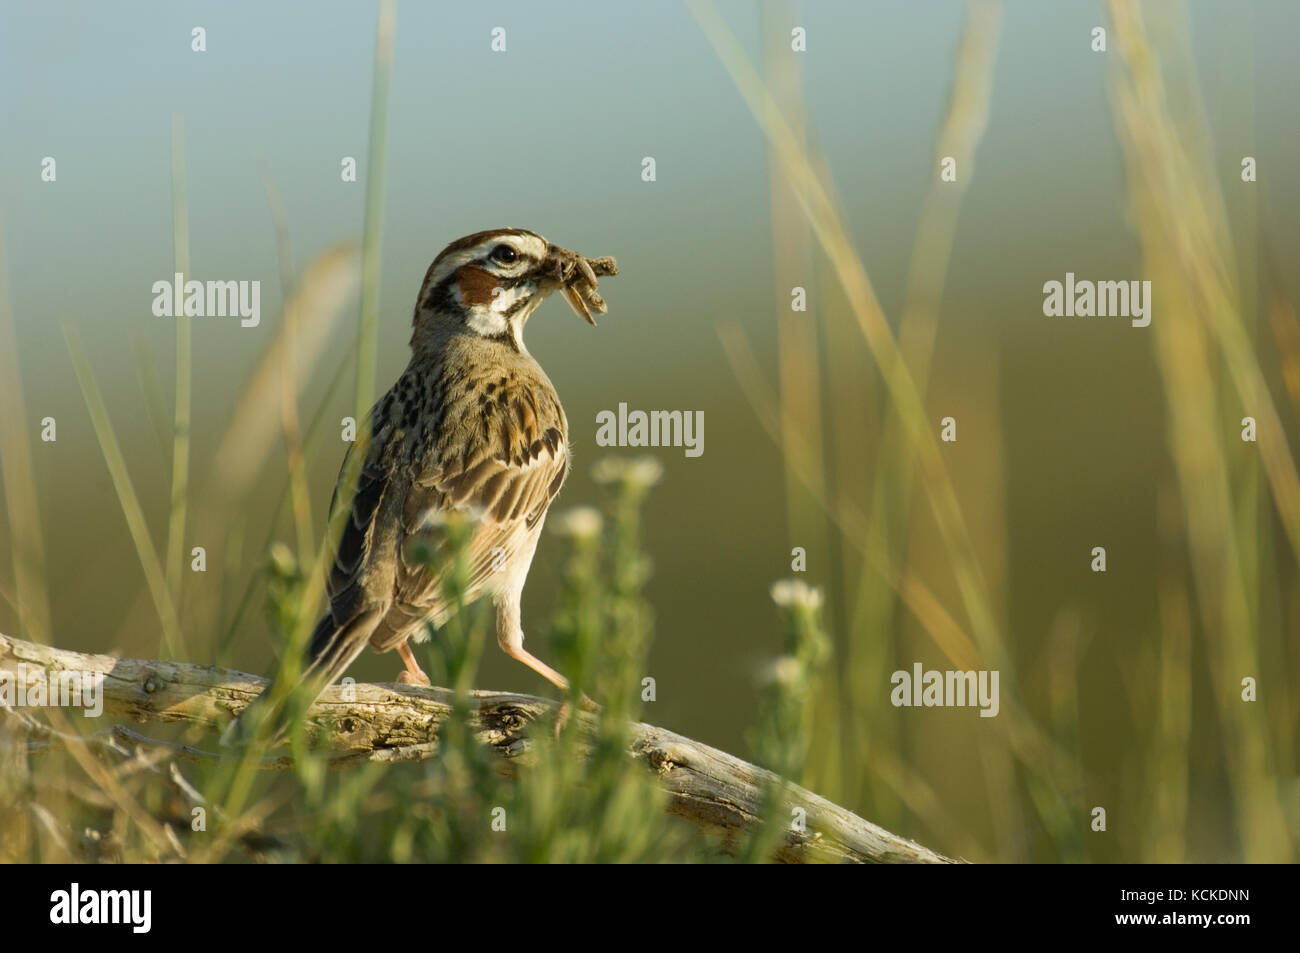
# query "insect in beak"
(576, 303)
(579, 286)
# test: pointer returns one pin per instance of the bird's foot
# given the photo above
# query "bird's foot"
(566, 710)
(412, 674)
(562, 717)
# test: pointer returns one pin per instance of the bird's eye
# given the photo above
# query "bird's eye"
(503, 254)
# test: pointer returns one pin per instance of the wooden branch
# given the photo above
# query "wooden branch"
(390, 723)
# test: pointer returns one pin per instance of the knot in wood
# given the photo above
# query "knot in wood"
(660, 760)
(507, 719)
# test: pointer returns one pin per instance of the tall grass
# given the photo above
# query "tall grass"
(180, 482)
(30, 598)
(154, 572)
(1213, 378)
(1214, 524)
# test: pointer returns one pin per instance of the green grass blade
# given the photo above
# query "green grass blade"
(181, 428)
(126, 496)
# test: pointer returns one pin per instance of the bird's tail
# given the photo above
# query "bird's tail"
(331, 650)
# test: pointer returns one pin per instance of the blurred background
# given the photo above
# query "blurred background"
(1120, 690)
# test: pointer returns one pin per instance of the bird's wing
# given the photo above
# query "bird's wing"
(499, 462)
(359, 592)
(354, 572)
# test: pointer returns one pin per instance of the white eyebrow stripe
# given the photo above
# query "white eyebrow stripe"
(529, 246)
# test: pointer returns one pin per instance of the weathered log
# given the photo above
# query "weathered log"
(391, 723)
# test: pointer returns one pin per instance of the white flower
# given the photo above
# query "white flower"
(792, 593)
(581, 522)
(282, 559)
(783, 671)
(637, 471)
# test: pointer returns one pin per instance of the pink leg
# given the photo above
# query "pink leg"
(413, 674)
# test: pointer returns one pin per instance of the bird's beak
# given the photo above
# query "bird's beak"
(576, 279)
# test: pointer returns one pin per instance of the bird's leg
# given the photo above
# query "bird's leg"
(521, 654)
(510, 636)
(548, 673)
(517, 651)
(413, 674)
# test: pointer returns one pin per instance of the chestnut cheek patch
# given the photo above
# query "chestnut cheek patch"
(477, 287)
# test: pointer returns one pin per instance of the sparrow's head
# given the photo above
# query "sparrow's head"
(491, 282)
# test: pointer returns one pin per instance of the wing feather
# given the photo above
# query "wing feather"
(354, 558)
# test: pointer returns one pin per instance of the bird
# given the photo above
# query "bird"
(473, 428)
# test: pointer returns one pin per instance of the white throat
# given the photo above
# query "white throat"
(494, 320)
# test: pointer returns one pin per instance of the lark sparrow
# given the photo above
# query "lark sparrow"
(473, 425)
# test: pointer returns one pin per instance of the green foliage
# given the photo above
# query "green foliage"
(788, 687)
